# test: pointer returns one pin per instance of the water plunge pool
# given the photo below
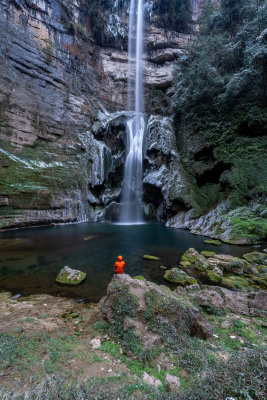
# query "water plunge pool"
(30, 263)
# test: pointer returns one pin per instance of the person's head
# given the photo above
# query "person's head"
(119, 258)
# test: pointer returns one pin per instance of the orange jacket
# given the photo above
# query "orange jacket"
(119, 266)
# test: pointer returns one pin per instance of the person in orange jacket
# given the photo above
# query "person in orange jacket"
(119, 266)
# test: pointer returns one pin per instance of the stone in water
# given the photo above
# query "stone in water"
(68, 276)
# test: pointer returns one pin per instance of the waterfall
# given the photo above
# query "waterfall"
(133, 171)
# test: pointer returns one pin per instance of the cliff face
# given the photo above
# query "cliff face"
(62, 102)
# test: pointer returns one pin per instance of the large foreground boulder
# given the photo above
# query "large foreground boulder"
(144, 309)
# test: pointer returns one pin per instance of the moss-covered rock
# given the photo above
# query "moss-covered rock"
(256, 257)
(228, 263)
(175, 275)
(213, 241)
(163, 267)
(190, 255)
(215, 276)
(140, 278)
(260, 280)
(151, 258)
(68, 276)
(208, 254)
(236, 282)
(185, 263)
(193, 257)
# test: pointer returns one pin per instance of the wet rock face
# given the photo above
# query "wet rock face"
(167, 189)
(61, 151)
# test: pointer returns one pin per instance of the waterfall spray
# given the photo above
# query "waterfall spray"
(133, 171)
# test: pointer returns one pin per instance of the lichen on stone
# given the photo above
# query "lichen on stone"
(68, 276)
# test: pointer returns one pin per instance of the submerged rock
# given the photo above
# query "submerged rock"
(68, 276)
(213, 241)
(175, 275)
(208, 253)
(150, 258)
(15, 243)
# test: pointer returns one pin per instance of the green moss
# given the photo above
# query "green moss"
(125, 305)
(236, 282)
(111, 348)
(256, 257)
(176, 275)
(260, 280)
(65, 279)
(250, 227)
(185, 263)
(213, 241)
(213, 277)
(189, 256)
(140, 278)
(150, 258)
(208, 254)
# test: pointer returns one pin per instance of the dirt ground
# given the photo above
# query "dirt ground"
(55, 336)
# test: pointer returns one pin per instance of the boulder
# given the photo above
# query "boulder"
(134, 305)
(228, 263)
(253, 303)
(172, 382)
(176, 275)
(151, 380)
(256, 257)
(68, 276)
(193, 256)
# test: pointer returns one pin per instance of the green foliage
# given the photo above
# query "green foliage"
(247, 223)
(4, 106)
(125, 305)
(96, 14)
(48, 50)
(110, 347)
(8, 349)
(131, 342)
(174, 14)
(221, 89)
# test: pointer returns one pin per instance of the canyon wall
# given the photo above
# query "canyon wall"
(62, 114)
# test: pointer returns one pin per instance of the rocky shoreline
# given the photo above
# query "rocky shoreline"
(145, 338)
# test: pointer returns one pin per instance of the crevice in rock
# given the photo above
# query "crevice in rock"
(97, 190)
(156, 157)
(204, 154)
(152, 194)
(213, 175)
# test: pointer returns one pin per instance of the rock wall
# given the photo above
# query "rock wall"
(62, 113)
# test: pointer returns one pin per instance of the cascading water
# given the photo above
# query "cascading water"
(133, 171)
